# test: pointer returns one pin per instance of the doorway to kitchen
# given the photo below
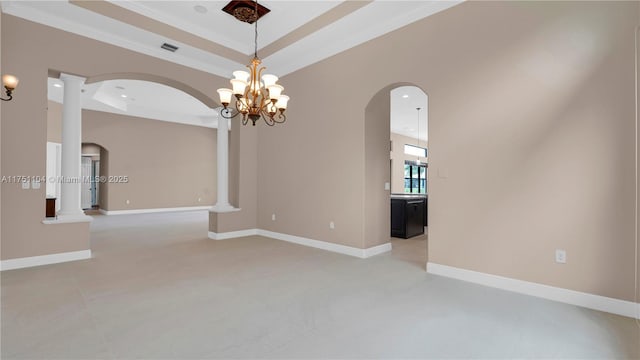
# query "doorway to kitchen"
(408, 129)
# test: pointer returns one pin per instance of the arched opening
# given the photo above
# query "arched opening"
(390, 171)
(202, 97)
(95, 173)
(140, 119)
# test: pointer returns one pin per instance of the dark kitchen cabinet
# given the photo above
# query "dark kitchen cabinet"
(408, 216)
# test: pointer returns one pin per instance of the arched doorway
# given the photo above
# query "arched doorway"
(95, 167)
(378, 163)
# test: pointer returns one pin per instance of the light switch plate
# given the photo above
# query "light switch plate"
(387, 186)
(35, 184)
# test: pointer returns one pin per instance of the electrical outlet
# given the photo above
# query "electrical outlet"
(273, 217)
(199, 199)
(332, 225)
(561, 256)
(127, 202)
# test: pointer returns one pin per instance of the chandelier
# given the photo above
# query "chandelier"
(256, 95)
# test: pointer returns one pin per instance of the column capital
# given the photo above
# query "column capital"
(68, 77)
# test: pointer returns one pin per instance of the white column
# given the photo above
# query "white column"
(223, 166)
(70, 208)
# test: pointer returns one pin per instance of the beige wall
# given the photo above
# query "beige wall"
(398, 157)
(30, 51)
(530, 137)
(54, 122)
(1, 173)
(167, 164)
(311, 168)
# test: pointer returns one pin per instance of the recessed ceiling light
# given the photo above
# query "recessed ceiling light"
(123, 95)
(57, 85)
(200, 9)
(405, 96)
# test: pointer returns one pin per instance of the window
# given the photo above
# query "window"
(415, 178)
(415, 150)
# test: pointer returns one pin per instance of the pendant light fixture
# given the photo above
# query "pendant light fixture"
(418, 161)
(256, 95)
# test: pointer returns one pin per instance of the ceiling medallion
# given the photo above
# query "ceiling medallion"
(245, 10)
(245, 14)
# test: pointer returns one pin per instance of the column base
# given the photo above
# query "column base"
(68, 218)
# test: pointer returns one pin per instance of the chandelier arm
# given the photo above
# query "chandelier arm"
(8, 91)
(260, 73)
(272, 120)
(226, 109)
(238, 111)
(268, 121)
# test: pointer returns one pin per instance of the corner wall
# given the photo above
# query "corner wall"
(243, 181)
(377, 201)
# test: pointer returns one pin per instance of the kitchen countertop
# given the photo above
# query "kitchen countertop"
(408, 196)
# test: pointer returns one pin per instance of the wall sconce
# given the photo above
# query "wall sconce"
(10, 83)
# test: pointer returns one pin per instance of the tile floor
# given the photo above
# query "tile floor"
(157, 288)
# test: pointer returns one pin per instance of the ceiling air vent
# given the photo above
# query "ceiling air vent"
(169, 47)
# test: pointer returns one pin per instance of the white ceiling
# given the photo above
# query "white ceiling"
(294, 43)
(218, 26)
(404, 116)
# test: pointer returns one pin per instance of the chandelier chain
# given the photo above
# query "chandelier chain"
(255, 14)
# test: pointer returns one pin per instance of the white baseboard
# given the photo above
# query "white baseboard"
(155, 210)
(232, 234)
(342, 249)
(376, 250)
(591, 301)
(20, 263)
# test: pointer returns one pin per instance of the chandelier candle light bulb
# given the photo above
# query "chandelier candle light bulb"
(255, 99)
